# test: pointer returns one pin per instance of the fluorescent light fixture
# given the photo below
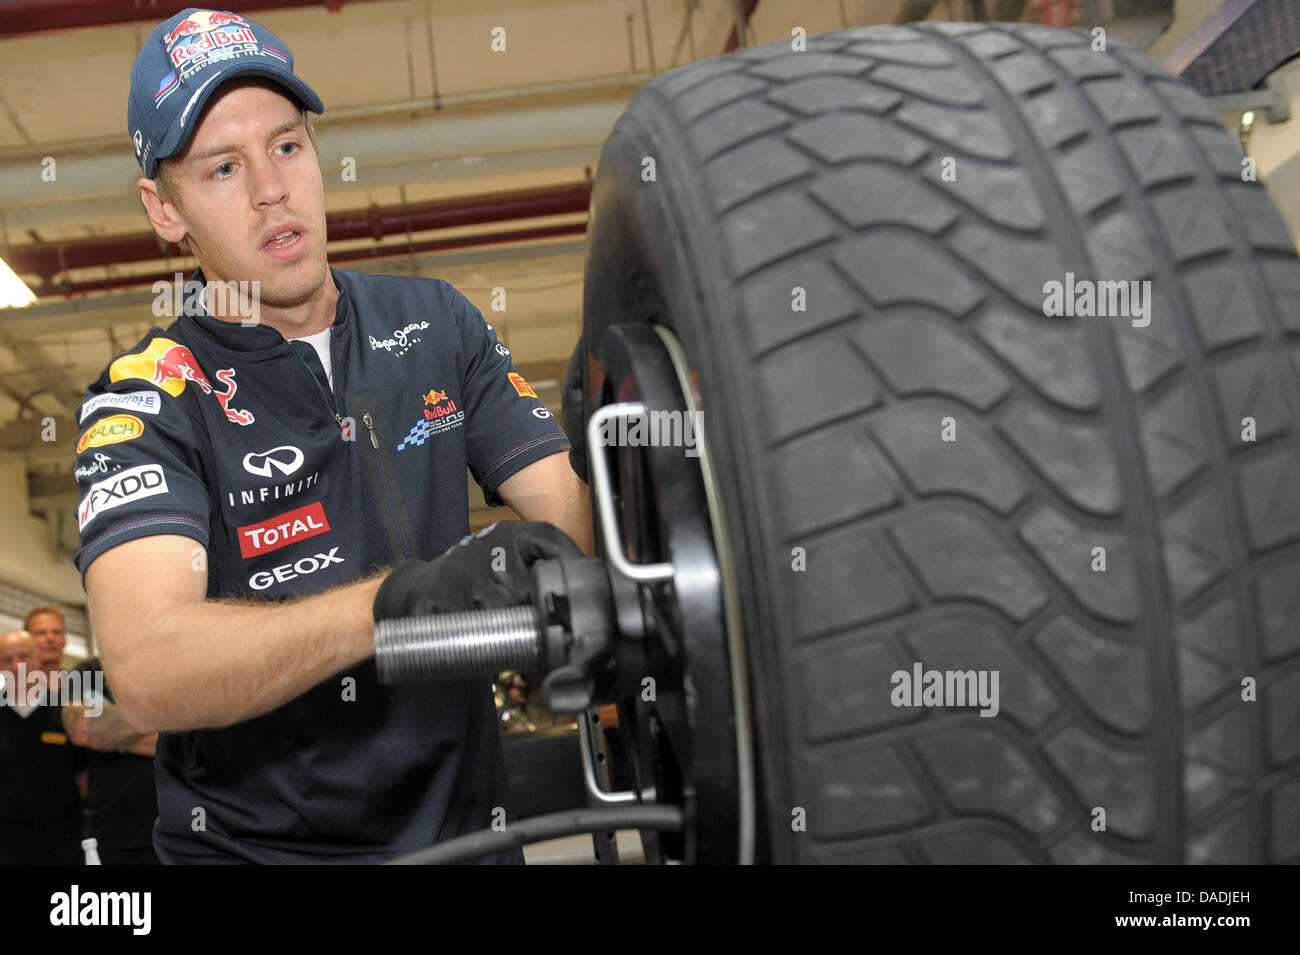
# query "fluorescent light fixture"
(14, 293)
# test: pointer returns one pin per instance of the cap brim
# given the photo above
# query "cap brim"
(181, 132)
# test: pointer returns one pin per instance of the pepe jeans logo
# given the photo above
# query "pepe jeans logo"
(401, 339)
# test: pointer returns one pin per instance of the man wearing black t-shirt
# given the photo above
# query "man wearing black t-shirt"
(39, 798)
(259, 487)
(121, 802)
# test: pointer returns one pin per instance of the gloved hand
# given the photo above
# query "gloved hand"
(571, 412)
(473, 574)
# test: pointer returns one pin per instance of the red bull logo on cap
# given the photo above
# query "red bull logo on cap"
(170, 365)
(202, 21)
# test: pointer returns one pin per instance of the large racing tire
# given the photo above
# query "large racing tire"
(918, 465)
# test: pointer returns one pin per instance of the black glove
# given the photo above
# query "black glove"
(572, 412)
(473, 574)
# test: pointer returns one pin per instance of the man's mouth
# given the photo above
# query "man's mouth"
(283, 240)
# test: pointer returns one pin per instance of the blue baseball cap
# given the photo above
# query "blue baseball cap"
(181, 65)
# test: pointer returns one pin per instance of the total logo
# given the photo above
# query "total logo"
(288, 528)
(299, 568)
(123, 487)
(111, 430)
(170, 365)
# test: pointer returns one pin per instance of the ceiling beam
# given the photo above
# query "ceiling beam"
(134, 308)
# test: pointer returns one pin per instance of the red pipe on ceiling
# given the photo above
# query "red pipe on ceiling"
(47, 259)
(346, 255)
(18, 17)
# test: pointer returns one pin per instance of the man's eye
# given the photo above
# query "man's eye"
(293, 147)
(223, 171)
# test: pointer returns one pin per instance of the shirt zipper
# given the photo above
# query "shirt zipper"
(390, 500)
(369, 422)
(331, 402)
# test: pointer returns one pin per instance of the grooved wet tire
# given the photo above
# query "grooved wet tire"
(949, 466)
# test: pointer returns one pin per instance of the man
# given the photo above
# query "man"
(295, 457)
(47, 628)
(120, 797)
(39, 785)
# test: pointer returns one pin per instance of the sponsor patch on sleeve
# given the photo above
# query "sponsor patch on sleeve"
(120, 488)
(524, 389)
(141, 402)
(111, 430)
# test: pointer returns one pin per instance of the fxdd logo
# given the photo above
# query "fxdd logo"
(286, 459)
(129, 485)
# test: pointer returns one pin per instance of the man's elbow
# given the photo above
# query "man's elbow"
(137, 710)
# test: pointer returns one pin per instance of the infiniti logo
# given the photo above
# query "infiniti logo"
(286, 459)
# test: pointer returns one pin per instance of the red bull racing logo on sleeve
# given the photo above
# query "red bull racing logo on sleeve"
(169, 366)
(440, 414)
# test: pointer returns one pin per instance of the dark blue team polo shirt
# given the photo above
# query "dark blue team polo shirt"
(231, 435)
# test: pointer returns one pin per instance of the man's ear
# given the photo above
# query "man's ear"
(164, 216)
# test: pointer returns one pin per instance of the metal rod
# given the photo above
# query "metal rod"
(456, 645)
(602, 492)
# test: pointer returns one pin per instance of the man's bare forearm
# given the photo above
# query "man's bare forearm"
(575, 520)
(213, 663)
(106, 732)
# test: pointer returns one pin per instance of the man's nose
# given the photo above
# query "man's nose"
(269, 187)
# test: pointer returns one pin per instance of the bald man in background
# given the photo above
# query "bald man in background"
(40, 792)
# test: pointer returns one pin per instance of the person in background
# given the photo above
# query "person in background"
(41, 778)
(47, 628)
(121, 799)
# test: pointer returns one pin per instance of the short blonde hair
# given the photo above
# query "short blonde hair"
(43, 608)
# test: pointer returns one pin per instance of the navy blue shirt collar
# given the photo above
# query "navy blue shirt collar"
(233, 336)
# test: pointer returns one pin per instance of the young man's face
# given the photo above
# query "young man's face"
(48, 634)
(249, 173)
